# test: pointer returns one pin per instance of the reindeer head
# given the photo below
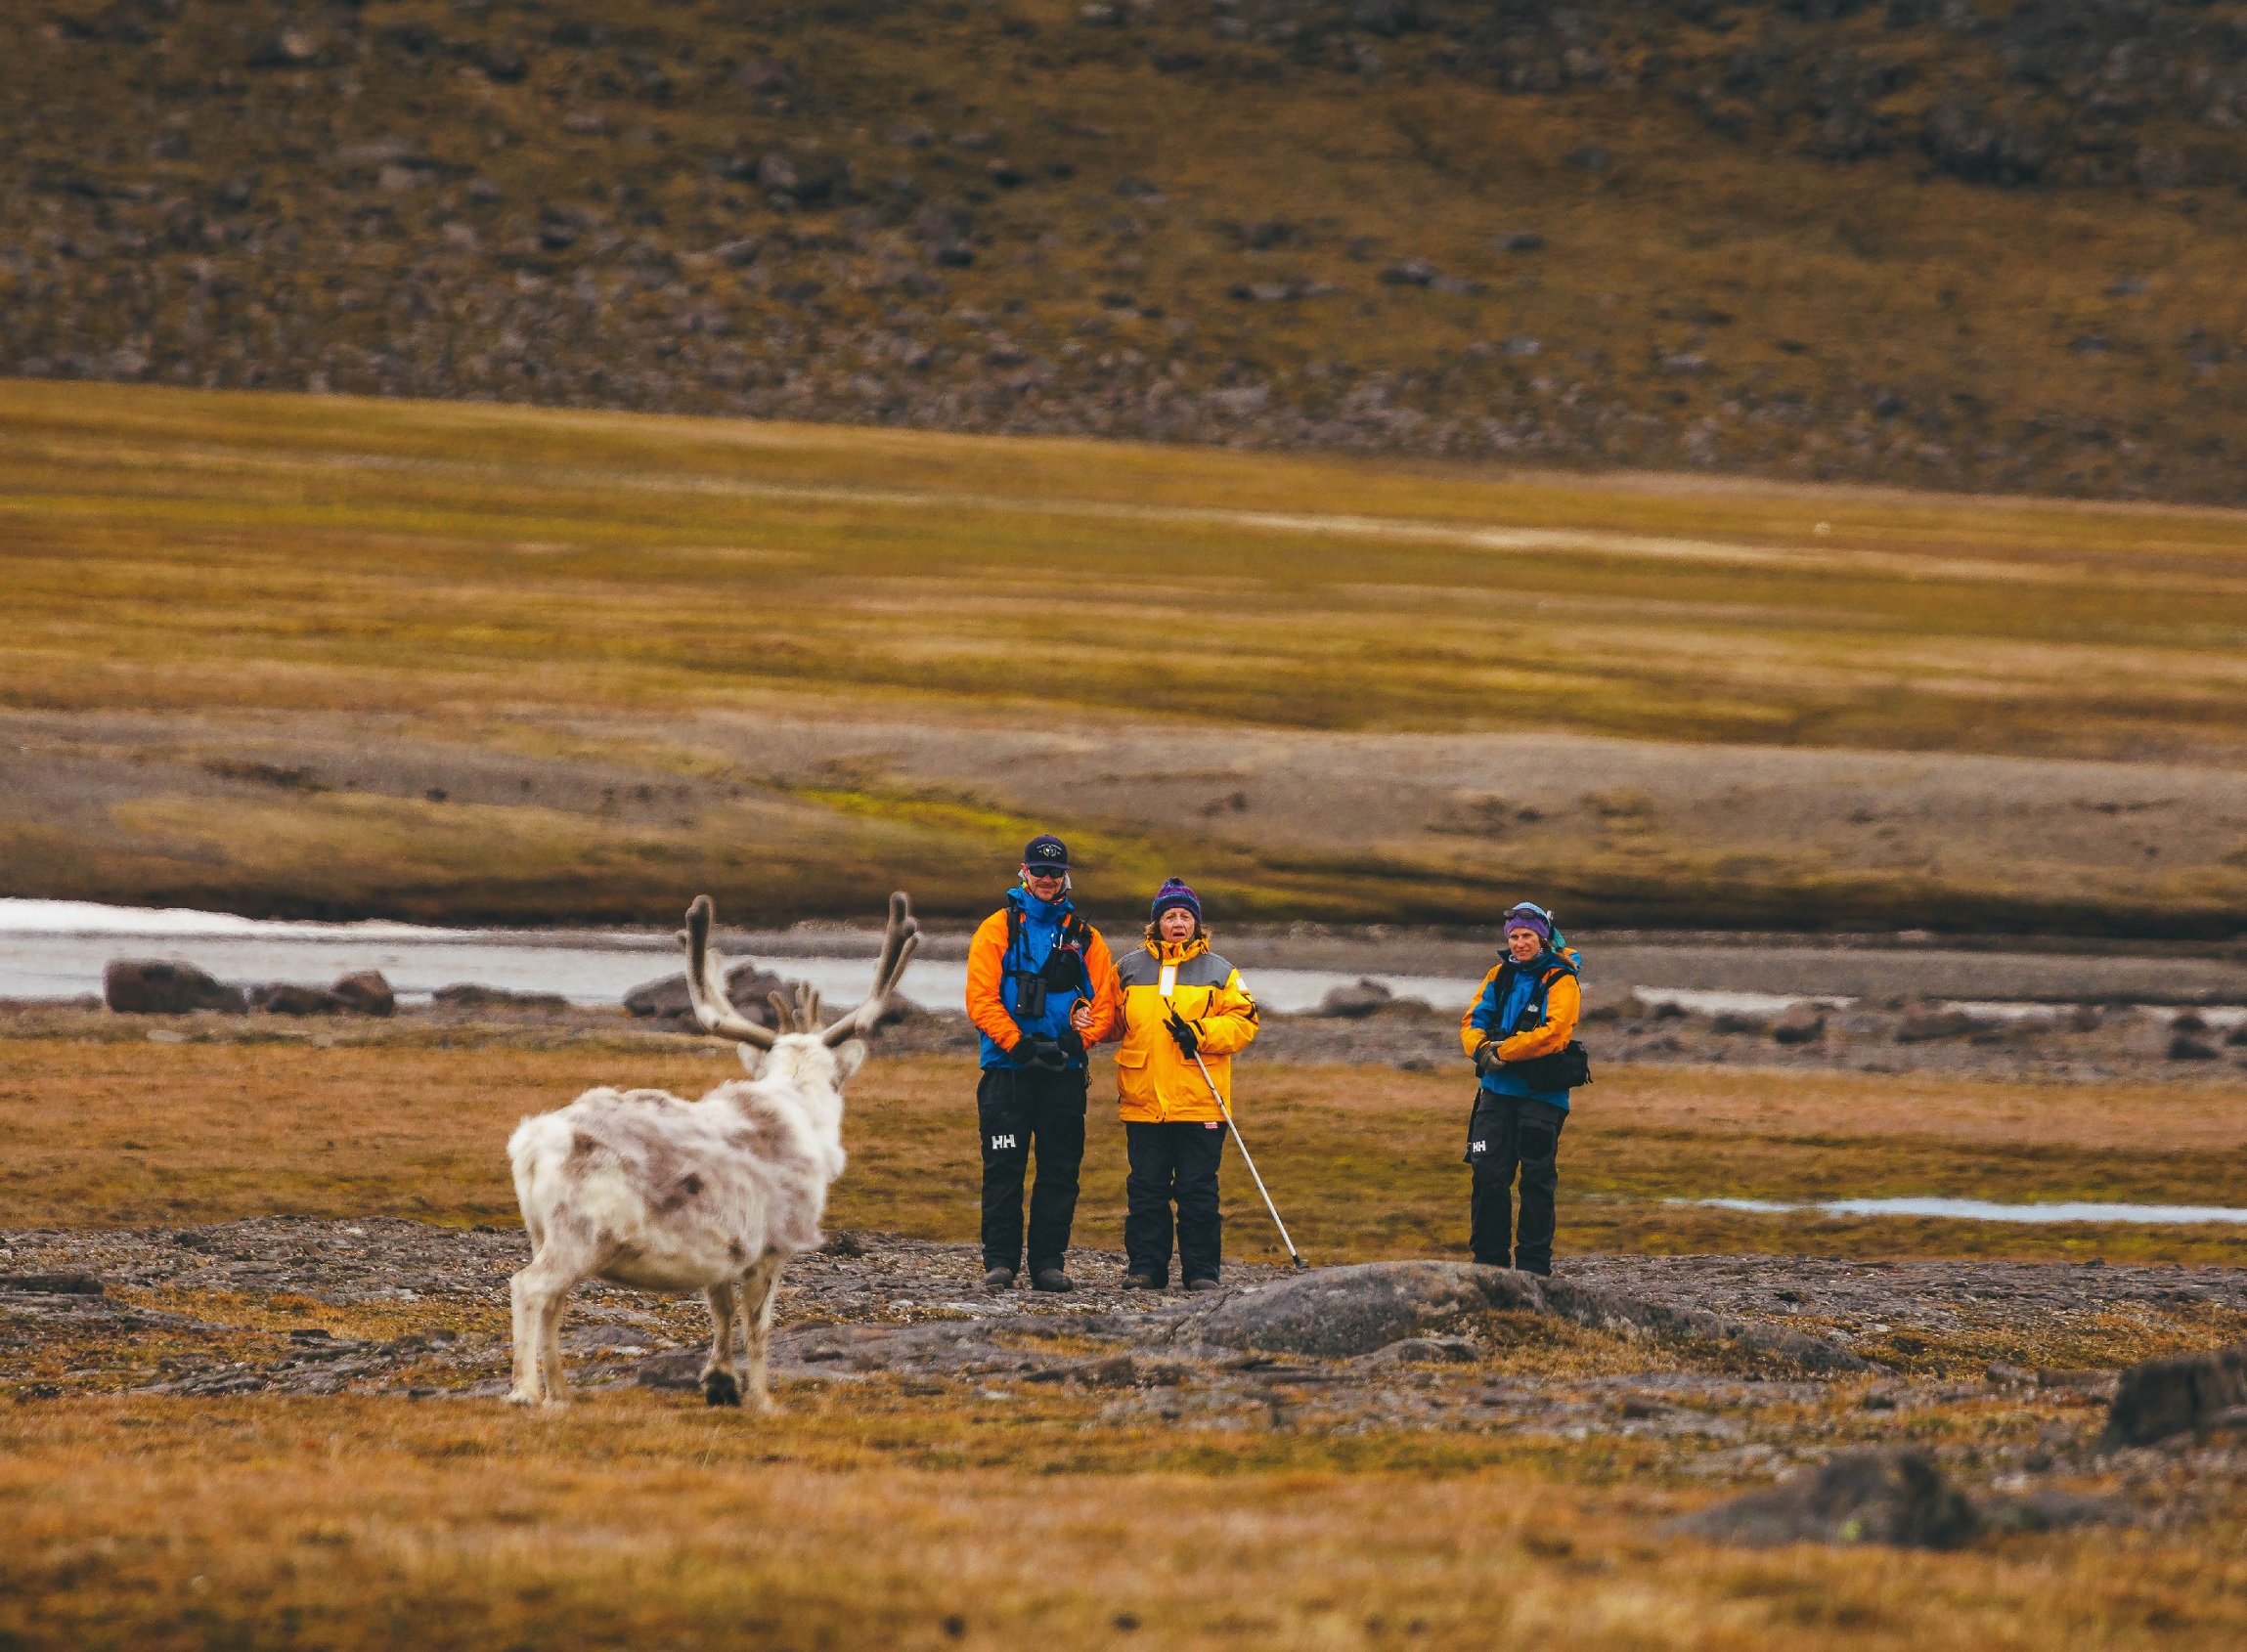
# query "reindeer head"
(796, 1046)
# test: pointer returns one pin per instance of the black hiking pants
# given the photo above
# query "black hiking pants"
(1510, 1134)
(1017, 1106)
(1172, 1163)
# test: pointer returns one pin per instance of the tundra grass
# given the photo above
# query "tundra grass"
(887, 1514)
(183, 549)
(1365, 1160)
(859, 1520)
(195, 578)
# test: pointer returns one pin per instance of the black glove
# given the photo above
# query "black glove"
(1486, 1057)
(1072, 1043)
(1188, 1039)
(1045, 1053)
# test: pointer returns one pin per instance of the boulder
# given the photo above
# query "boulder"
(1895, 1495)
(1338, 1312)
(1735, 1020)
(802, 177)
(1425, 1351)
(666, 998)
(2180, 1395)
(1804, 1023)
(1924, 1023)
(677, 1373)
(1352, 1002)
(364, 992)
(1362, 1309)
(2183, 1047)
(54, 1285)
(157, 987)
(469, 995)
(290, 1000)
(502, 63)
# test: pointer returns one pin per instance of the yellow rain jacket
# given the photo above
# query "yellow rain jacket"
(1156, 1082)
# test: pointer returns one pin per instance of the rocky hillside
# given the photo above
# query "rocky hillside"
(1949, 242)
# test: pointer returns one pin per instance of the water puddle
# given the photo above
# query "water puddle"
(1698, 1002)
(1981, 1210)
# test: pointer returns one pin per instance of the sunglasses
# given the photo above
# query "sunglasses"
(1044, 875)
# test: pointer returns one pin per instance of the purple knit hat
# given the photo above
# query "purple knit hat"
(1175, 893)
(1534, 919)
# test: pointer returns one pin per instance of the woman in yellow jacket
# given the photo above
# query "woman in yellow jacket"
(1181, 1000)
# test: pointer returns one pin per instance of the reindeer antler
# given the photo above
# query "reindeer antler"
(706, 978)
(705, 984)
(898, 945)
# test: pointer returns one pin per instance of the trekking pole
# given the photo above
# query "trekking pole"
(1218, 1097)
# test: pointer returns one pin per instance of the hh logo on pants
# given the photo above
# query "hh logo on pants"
(1001, 1142)
(1477, 1147)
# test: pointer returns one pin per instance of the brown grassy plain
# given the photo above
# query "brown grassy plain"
(1364, 1158)
(879, 1520)
(898, 1515)
(329, 656)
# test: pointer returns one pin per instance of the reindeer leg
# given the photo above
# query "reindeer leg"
(759, 1289)
(535, 1295)
(526, 1390)
(719, 1384)
(551, 1349)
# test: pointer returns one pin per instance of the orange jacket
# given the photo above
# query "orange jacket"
(1156, 1082)
(1564, 1006)
(986, 1006)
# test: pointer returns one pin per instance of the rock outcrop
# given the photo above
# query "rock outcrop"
(664, 999)
(2164, 1398)
(1342, 1312)
(162, 986)
(1896, 1496)
(365, 993)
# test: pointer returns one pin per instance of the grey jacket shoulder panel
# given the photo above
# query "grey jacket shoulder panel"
(1142, 967)
(1209, 970)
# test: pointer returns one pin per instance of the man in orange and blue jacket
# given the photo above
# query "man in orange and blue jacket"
(1041, 987)
(1527, 1011)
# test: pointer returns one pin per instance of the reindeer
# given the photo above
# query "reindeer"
(639, 1187)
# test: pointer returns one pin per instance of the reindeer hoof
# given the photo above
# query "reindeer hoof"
(719, 1389)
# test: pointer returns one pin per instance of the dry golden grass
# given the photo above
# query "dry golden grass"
(402, 557)
(887, 1514)
(485, 590)
(863, 1520)
(1364, 1159)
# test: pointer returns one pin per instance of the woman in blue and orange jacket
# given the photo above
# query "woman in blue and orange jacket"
(1525, 1012)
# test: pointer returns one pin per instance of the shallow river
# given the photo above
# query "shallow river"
(53, 949)
(57, 949)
